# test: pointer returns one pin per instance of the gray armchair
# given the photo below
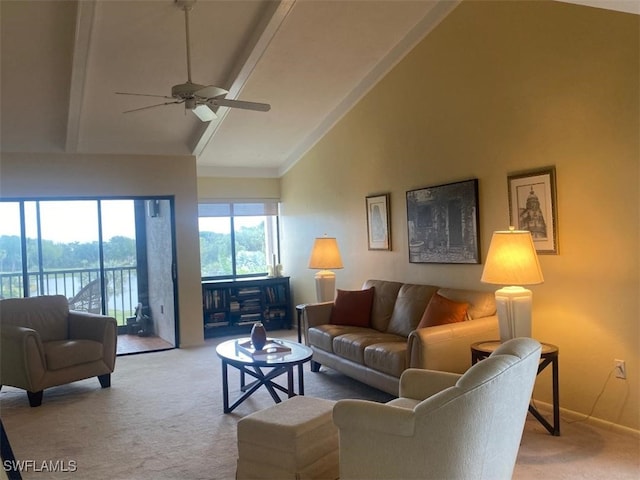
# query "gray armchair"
(443, 425)
(44, 344)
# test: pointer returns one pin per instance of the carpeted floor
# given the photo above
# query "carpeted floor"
(162, 419)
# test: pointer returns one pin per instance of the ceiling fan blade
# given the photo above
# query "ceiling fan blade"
(225, 102)
(204, 113)
(211, 92)
(152, 106)
(142, 95)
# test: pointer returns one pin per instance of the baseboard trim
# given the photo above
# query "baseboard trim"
(597, 422)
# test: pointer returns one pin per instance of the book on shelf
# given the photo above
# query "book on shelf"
(276, 294)
(214, 299)
(276, 313)
(248, 291)
(242, 323)
(218, 316)
(216, 324)
(250, 304)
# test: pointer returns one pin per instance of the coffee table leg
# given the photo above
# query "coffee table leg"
(301, 379)
(290, 391)
(225, 388)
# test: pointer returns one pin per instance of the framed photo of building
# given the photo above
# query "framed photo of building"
(532, 207)
(378, 222)
(443, 223)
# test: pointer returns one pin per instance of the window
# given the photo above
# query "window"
(82, 249)
(237, 239)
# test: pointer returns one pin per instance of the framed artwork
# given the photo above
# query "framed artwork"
(378, 222)
(443, 223)
(532, 207)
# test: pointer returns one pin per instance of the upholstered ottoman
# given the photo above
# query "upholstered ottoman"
(295, 439)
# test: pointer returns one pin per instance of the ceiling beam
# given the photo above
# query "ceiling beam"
(82, 42)
(272, 20)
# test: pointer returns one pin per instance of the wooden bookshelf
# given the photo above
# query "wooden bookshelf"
(231, 307)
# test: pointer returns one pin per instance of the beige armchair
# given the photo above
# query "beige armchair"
(443, 425)
(44, 344)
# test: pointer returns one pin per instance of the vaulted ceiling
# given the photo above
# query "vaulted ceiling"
(311, 60)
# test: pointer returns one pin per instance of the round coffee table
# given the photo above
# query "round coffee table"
(263, 366)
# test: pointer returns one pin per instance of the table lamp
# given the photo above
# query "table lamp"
(325, 255)
(512, 261)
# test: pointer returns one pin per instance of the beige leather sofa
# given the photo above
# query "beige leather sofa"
(44, 344)
(379, 354)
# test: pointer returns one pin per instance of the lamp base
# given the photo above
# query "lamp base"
(514, 312)
(325, 286)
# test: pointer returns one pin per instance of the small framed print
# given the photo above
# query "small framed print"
(532, 207)
(378, 222)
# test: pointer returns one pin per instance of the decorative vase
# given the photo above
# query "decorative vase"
(258, 336)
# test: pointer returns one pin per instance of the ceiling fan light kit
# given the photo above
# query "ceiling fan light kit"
(200, 99)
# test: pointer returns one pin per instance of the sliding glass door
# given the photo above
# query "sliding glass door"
(12, 255)
(96, 253)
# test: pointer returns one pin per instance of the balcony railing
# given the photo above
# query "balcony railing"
(121, 287)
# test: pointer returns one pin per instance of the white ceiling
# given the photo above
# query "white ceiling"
(63, 61)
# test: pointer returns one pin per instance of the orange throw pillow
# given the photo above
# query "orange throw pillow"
(441, 311)
(352, 307)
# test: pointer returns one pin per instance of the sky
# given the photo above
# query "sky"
(70, 221)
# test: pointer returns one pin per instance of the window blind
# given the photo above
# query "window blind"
(238, 209)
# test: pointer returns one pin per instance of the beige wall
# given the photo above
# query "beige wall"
(41, 176)
(501, 87)
(219, 188)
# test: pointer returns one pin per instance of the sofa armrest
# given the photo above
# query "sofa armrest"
(421, 384)
(369, 416)
(22, 360)
(315, 314)
(99, 328)
(447, 348)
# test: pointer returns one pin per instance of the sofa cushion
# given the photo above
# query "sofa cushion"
(384, 299)
(441, 311)
(352, 308)
(67, 353)
(388, 357)
(410, 305)
(352, 345)
(322, 336)
(47, 314)
(481, 304)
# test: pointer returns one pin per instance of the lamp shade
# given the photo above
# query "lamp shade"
(325, 254)
(512, 260)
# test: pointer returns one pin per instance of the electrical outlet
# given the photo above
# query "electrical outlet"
(621, 369)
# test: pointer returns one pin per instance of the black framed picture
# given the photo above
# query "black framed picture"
(443, 223)
(532, 207)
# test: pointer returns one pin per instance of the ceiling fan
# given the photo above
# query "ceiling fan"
(200, 99)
